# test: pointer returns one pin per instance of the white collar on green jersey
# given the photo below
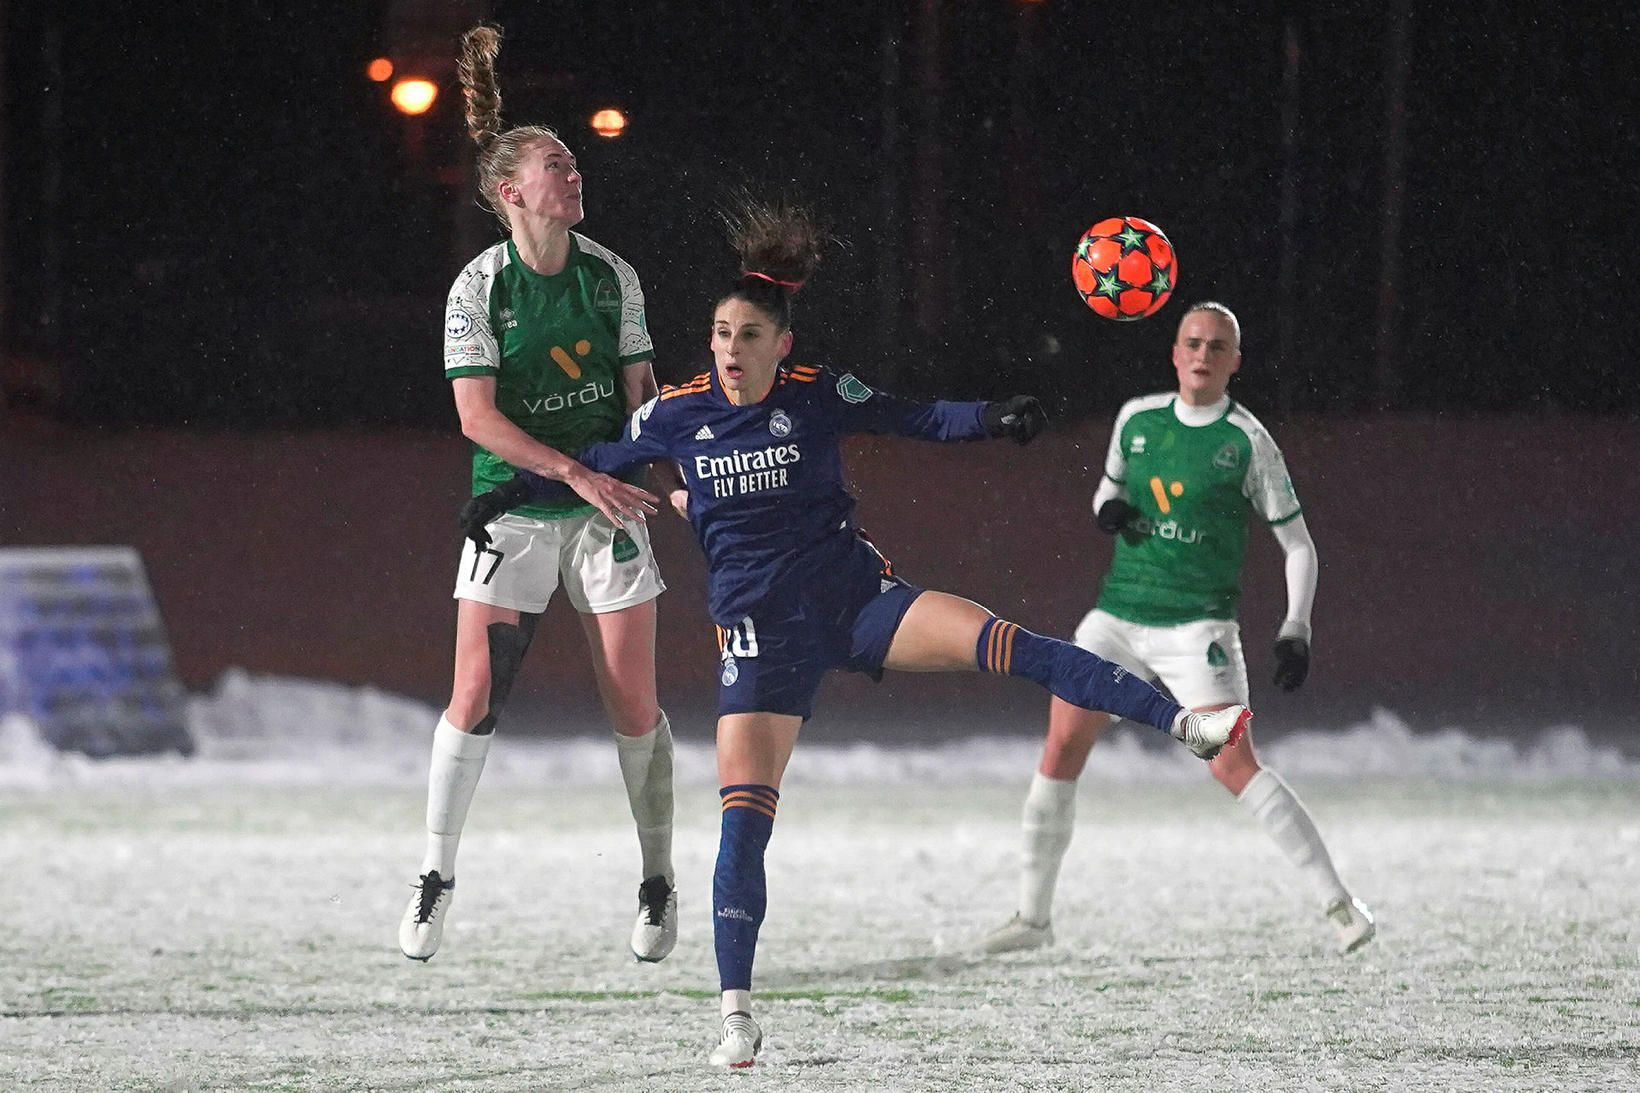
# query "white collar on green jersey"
(1196, 416)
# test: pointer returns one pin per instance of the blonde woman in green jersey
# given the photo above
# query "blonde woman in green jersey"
(547, 351)
(1183, 473)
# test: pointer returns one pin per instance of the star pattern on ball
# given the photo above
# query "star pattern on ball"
(1130, 237)
(1124, 268)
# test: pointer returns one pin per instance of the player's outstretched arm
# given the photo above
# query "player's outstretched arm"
(864, 410)
(1020, 418)
(489, 428)
(617, 500)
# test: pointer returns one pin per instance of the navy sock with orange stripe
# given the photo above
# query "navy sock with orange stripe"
(739, 895)
(1072, 673)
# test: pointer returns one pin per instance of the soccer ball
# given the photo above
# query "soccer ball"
(1124, 268)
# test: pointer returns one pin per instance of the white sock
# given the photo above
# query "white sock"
(458, 760)
(1288, 822)
(736, 1002)
(1050, 817)
(646, 767)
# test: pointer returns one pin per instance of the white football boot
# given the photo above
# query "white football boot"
(1015, 936)
(422, 926)
(656, 931)
(738, 1042)
(1206, 733)
(1353, 921)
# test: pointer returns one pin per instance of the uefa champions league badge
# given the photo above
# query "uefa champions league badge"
(780, 424)
(731, 670)
(458, 323)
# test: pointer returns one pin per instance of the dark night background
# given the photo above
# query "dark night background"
(216, 227)
(213, 218)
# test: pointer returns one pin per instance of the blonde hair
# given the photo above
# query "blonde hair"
(1218, 309)
(500, 152)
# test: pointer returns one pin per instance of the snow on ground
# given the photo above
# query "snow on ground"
(255, 730)
(227, 922)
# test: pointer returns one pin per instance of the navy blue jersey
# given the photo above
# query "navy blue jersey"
(766, 491)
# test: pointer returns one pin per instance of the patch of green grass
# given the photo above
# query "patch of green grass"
(63, 1000)
(608, 996)
(896, 996)
(1102, 986)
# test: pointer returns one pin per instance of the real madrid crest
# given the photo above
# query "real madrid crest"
(780, 424)
(731, 670)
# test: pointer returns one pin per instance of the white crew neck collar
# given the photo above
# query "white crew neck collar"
(1197, 416)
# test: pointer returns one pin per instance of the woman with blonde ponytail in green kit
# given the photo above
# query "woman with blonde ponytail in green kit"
(546, 351)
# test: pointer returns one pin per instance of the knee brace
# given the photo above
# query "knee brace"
(508, 644)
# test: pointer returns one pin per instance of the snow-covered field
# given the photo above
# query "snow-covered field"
(227, 922)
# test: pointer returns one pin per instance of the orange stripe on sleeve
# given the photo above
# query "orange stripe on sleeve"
(692, 389)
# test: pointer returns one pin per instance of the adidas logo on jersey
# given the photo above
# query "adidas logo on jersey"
(705, 433)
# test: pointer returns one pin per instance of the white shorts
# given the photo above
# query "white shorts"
(604, 568)
(1200, 663)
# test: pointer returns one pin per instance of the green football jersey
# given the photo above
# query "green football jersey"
(556, 346)
(1180, 558)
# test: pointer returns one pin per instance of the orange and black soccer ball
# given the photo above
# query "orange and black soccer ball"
(1124, 268)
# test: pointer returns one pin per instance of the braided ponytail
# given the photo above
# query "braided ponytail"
(500, 151)
(476, 68)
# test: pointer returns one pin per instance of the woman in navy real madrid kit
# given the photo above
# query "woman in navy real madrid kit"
(794, 588)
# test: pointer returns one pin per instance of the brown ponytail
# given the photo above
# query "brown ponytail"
(779, 245)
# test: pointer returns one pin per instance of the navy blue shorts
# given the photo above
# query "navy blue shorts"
(773, 661)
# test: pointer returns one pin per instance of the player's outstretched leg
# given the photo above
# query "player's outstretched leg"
(1094, 683)
(1289, 824)
(739, 898)
(1207, 733)
(457, 761)
(646, 768)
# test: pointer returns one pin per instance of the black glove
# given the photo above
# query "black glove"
(1114, 515)
(1020, 417)
(481, 510)
(1292, 663)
